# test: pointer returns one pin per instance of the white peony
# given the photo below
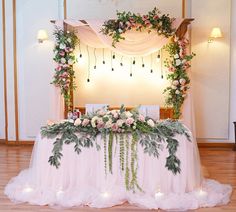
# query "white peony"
(70, 62)
(151, 123)
(182, 81)
(176, 56)
(177, 92)
(93, 121)
(77, 122)
(62, 46)
(178, 62)
(128, 114)
(175, 82)
(120, 122)
(63, 60)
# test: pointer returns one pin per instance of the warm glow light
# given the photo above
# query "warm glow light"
(27, 189)
(215, 33)
(42, 35)
(158, 194)
(105, 194)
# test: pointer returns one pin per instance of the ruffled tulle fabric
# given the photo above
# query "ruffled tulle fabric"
(81, 180)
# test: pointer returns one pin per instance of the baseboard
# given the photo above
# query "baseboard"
(16, 143)
(216, 145)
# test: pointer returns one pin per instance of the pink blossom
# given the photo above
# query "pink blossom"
(85, 122)
(147, 23)
(114, 127)
(62, 53)
(141, 118)
(100, 125)
(156, 17)
(58, 68)
(131, 20)
(171, 69)
(129, 121)
(67, 49)
(144, 17)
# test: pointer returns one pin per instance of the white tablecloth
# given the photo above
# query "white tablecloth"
(81, 180)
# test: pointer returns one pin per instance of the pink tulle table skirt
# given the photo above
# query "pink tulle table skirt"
(81, 180)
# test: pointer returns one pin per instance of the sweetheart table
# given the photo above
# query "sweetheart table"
(80, 180)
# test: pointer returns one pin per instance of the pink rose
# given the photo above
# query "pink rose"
(141, 118)
(100, 125)
(131, 20)
(145, 17)
(62, 53)
(58, 68)
(171, 69)
(129, 121)
(114, 127)
(155, 17)
(85, 122)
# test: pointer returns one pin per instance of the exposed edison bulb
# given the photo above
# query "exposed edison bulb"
(158, 58)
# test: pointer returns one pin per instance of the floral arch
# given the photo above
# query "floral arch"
(158, 30)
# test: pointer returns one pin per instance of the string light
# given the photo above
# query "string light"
(158, 56)
(114, 56)
(112, 69)
(80, 53)
(134, 61)
(151, 64)
(143, 65)
(103, 60)
(131, 74)
(95, 59)
(121, 61)
(88, 80)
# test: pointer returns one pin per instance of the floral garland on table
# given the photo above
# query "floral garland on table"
(126, 21)
(177, 64)
(65, 58)
(128, 128)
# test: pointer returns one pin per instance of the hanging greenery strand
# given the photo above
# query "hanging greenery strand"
(127, 170)
(110, 146)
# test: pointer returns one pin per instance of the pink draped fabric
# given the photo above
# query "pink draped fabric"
(81, 180)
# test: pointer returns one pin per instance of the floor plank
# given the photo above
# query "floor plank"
(220, 164)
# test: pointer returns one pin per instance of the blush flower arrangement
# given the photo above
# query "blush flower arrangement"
(65, 58)
(178, 64)
(125, 21)
(119, 129)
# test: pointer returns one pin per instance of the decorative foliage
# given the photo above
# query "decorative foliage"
(65, 58)
(178, 64)
(127, 21)
(150, 134)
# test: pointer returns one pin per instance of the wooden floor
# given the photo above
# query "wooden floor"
(220, 163)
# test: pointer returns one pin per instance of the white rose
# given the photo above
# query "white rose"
(119, 122)
(69, 40)
(184, 95)
(71, 121)
(177, 92)
(93, 121)
(77, 122)
(70, 62)
(176, 56)
(175, 82)
(173, 87)
(62, 46)
(128, 114)
(182, 81)
(182, 88)
(108, 124)
(151, 123)
(178, 62)
(120, 30)
(63, 60)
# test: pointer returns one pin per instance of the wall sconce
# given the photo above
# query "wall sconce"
(215, 33)
(42, 35)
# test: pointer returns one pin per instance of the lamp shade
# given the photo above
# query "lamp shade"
(42, 35)
(216, 33)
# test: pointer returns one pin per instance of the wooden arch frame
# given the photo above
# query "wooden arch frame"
(180, 33)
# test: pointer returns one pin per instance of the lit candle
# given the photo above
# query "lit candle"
(27, 189)
(158, 194)
(105, 194)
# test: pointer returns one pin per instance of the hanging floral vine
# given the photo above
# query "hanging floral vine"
(65, 59)
(125, 21)
(178, 63)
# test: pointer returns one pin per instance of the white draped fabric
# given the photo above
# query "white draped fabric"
(81, 180)
(135, 43)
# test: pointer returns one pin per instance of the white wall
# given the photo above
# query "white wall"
(232, 112)
(2, 112)
(211, 69)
